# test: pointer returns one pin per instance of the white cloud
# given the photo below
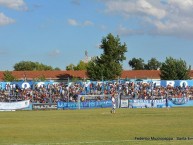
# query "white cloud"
(54, 53)
(4, 20)
(87, 23)
(14, 4)
(75, 2)
(156, 17)
(123, 31)
(103, 27)
(184, 5)
(147, 8)
(74, 22)
(133, 8)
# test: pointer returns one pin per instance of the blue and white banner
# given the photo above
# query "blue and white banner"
(176, 83)
(24, 85)
(174, 102)
(82, 105)
(14, 105)
(180, 102)
(92, 84)
(147, 103)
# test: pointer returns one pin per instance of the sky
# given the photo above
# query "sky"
(58, 32)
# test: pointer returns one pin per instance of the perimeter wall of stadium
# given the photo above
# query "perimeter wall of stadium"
(122, 101)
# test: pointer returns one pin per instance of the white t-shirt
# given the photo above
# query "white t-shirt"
(113, 102)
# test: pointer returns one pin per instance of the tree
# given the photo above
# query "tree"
(80, 66)
(8, 77)
(137, 63)
(70, 67)
(174, 69)
(108, 65)
(153, 64)
(57, 68)
(41, 78)
(30, 66)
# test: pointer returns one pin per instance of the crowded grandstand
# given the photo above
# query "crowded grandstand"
(41, 92)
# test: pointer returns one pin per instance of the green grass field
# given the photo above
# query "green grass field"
(96, 126)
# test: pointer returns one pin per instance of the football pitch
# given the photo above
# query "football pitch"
(148, 126)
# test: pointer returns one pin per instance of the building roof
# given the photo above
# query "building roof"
(141, 74)
(53, 75)
(61, 75)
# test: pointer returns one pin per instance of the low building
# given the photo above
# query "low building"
(65, 75)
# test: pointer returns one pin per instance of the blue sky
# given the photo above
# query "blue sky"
(58, 32)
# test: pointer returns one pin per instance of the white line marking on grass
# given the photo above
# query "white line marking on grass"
(83, 142)
(95, 142)
(106, 113)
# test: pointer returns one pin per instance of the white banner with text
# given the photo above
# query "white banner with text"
(14, 105)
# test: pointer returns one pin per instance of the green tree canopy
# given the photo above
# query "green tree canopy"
(8, 77)
(137, 64)
(153, 64)
(80, 66)
(30, 66)
(174, 69)
(108, 65)
(70, 67)
(57, 68)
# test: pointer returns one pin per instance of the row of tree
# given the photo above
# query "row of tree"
(134, 63)
(32, 66)
(108, 65)
(138, 64)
